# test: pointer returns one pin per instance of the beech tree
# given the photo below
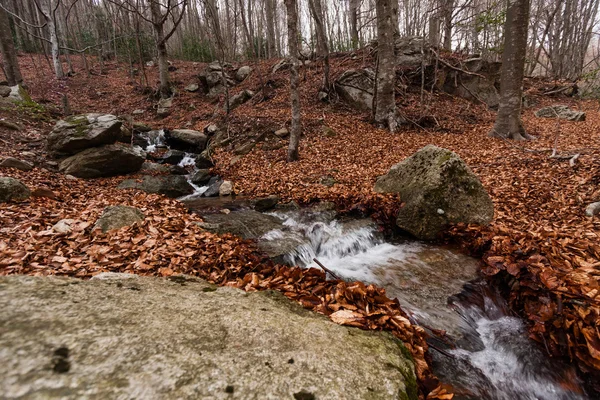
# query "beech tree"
(384, 102)
(322, 47)
(292, 30)
(508, 121)
(10, 63)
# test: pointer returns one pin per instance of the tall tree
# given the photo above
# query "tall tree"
(508, 121)
(384, 102)
(354, 5)
(292, 30)
(10, 62)
(322, 47)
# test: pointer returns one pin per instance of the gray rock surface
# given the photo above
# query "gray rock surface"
(355, 86)
(203, 162)
(169, 185)
(116, 217)
(240, 98)
(592, 209)
(213, 184)
(242, 73)
(438, 189)
(188, 137)
(226, 188)
(81, 132)
(121, 336)
(12, 189)
(110, 160)
(4, 91)
(173, 157)
(200, 177)
(11, 162)
(560, 111)
(192, 87)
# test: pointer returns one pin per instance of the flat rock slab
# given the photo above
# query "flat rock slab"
(130, 337)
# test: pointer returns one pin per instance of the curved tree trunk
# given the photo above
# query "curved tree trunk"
(508, 121)
(292, 27)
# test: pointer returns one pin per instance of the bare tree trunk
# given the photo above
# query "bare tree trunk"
(354, 23)
(161, 47)
(384, 102)
(270, 16)
(508, 121)
(292, 28)
(448, 9)
(9, 54)
(322, 46)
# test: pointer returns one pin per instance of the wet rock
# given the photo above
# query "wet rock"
(433, 180)
(266, 203)
(10, 162)
(201, 177)
(110, 160)
(592, 209)
(226, 188)
(192, 87)
(355, 86)
(187, 139)
(169, 185)
(214, 184)
(173, 157)
(560, 111)
(203, 162)
(198, 341)
(12, 189)
(150, 168)
(81, 132)
(116, 217)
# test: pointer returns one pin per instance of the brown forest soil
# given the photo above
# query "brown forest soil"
(540, 244)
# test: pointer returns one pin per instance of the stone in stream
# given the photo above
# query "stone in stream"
(214, 184)
(438, 190)
(169, 185)
(187, 139)
(173, 157)
(200, 177)
(11, 162)
(81, 132)
(203, 162)
(110, 160)
(226, 188)
(12, 189)
(266, 203)
(115, 217)
(150, 168)
(126, 336)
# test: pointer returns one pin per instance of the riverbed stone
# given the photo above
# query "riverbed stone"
(169, 185)
(110, 160)
(187, 139)
(438, 190)
(11, 162)
(126, 336)
(116, 217)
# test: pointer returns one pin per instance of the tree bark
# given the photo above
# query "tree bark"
(9, 54)
(270, 6)
(384, 102)
(508, 121)
(322, 47)
(161, 47)
(292, 28)
(354, 23)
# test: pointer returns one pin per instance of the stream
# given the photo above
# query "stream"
(487, 353)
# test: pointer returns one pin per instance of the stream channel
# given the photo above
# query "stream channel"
(490, 357)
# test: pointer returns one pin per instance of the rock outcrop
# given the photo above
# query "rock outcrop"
(355, 86)
(110, 160)
(123, 336)
(12, 189)
(560, 111)
(187, 139)
(82, 132)
(438, 190)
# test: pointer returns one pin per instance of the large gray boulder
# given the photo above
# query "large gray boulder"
(11, 162)
(438, 189)
(169, 185)
(120, 336)
(242, 73)
(81, 132)
(110, 160)
(560, 111)
(12, 189)
(240, 98)
(116, 217)
(355, 86)
(188, 139)
(476, 82)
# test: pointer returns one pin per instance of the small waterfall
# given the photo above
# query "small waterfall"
(493, 358)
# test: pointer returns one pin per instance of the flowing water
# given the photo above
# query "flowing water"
(490, 356)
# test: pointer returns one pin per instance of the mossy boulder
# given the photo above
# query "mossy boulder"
(438, 190)
(121, 336)
(12, 189)
(110, 160)
(116, 217)
(81, 132)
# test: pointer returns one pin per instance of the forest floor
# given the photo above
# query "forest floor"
(540, 243)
